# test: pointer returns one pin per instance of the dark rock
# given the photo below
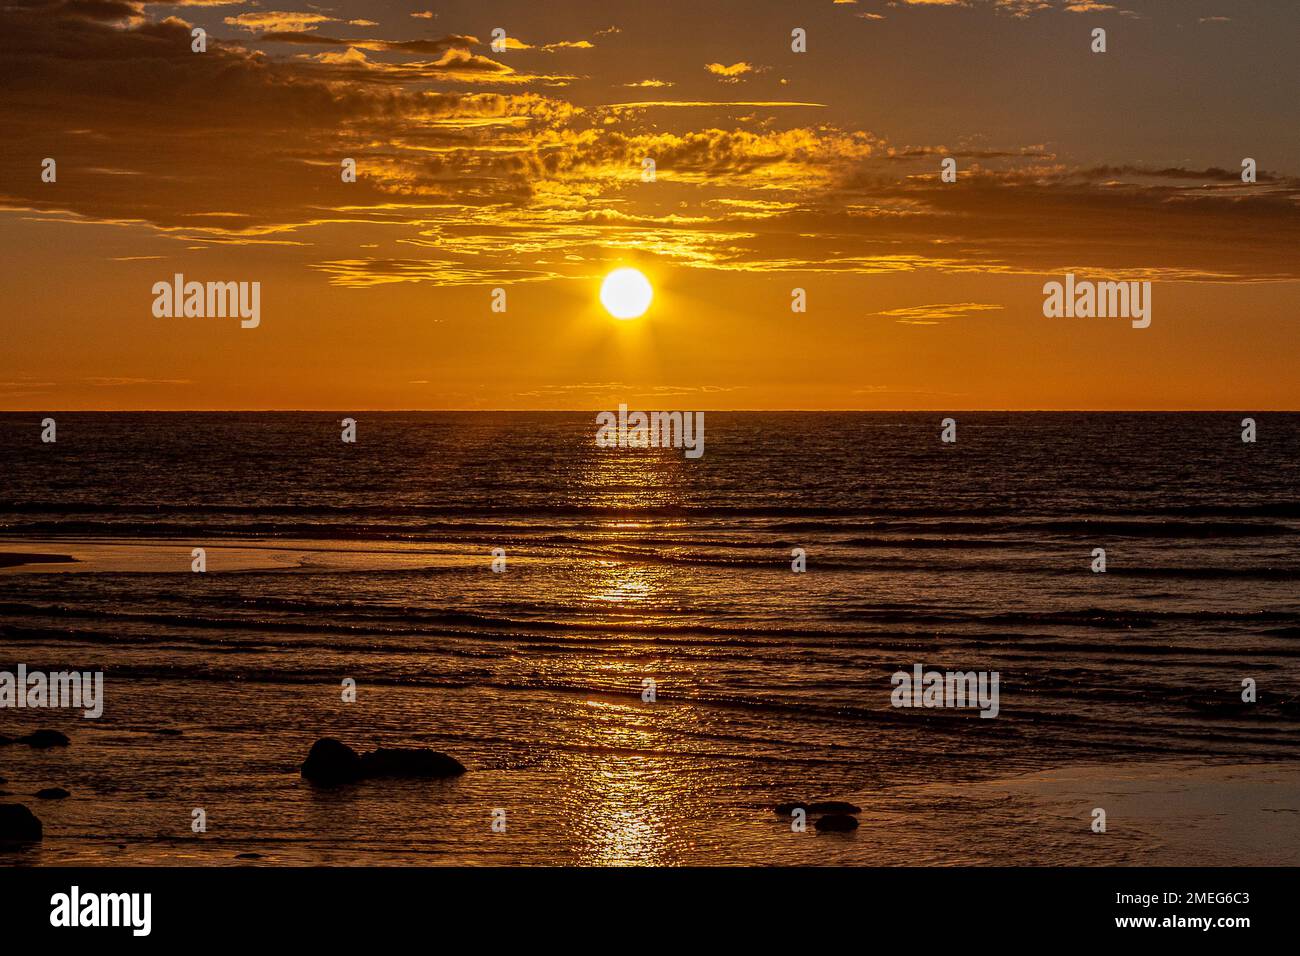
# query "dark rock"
(836, 822)
(834, 806)
(18, 824)
(248, 856)
(818, 806)
(169, 732)
(45, 738)
(5, 741)
(331, 761)
(4, 780)
(409, 762)
(52, 793)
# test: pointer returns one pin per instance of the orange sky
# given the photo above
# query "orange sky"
(522, 170)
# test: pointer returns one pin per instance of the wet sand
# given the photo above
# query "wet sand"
(605, 793)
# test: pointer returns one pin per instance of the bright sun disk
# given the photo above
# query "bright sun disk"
(626, 293)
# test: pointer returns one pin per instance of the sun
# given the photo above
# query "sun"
(626, 293)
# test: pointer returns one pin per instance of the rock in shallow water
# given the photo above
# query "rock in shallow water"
(331, 761)
(834, 806)
(18, 824)
(409, 762)
(837, 822)
(817, 806)
(45, 738)
(52, 793)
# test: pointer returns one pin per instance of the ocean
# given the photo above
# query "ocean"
(373, 562)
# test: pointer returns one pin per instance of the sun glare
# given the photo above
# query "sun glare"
(626, 293)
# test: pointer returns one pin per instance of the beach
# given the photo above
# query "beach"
(633, 797)
(1119, 690)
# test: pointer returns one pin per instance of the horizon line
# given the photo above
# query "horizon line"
(575, 411)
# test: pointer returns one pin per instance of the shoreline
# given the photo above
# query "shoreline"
(582, 801)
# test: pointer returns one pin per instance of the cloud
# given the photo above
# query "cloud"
(119, 381)
(240, 147)
(514, 43)
(455, 61)
(569, 45)
(366, 273)
(352, 56)
(271, 20)
(938, 312)
(437, 46)
(730, 74)
(713, 104)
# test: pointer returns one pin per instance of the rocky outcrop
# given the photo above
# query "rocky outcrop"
(18, 824)
(45, 738)
(409, 762)
(837, 822)
(331, 762)
(833, 806)
(833, 816)
(816, 806)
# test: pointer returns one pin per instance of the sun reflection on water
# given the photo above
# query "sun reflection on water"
(622, 583)
(630, 808)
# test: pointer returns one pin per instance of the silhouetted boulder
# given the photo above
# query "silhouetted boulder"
(837, 822)
(52, 793)
(409, 762)
(331, 761)
(834, 806)
(45, 738)
(18, 824)
(818, 806)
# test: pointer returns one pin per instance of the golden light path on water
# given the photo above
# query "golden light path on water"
(632, 809)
